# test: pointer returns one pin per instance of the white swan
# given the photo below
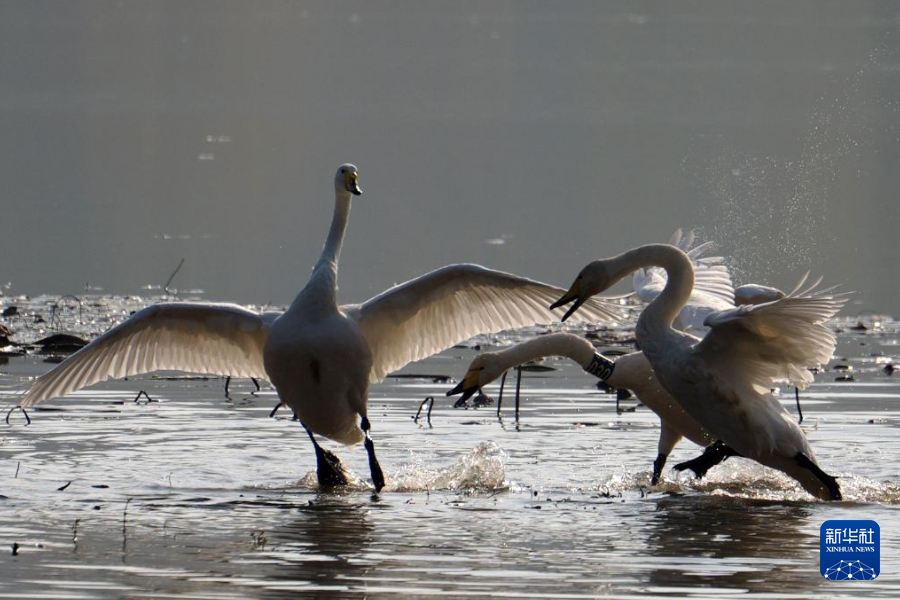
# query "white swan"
(631, 371)
(320, 357)
(724, 381)
(712, 292)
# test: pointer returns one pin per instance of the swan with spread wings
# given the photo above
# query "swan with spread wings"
(320, 356)
(724, 380)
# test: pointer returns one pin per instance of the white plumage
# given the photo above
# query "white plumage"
(321, 357)
(631, 371)
(724, 381)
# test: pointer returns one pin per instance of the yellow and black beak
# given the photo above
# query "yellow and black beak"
(573, 295)
(351, 183)
(468, 387)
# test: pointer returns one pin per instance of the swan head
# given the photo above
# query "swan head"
(484, 369)
(346, 180)
(593, 279)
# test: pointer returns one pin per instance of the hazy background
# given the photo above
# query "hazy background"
(526, 136)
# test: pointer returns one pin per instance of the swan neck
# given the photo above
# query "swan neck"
(319, 296)
(663, 310)
(331, 252)
(553, 344)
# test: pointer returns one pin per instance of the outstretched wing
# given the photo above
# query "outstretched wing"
(777, 341)
(221, 339)
(442, 308)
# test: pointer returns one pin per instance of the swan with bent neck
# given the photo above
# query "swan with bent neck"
(631, 371)
(320, 356)
(724, 380)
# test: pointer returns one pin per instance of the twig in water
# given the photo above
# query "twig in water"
(171, 277)
(125, 517)
(500, 395)
(56, 323)
(75, 535)
(18, 464)
(430, 402)
(27, 418)
(63, 488)
(253, 379)
(145, 394)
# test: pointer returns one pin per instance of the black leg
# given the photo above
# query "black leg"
(827, 480)
(329, 470)
(255, 382)
(658, 465)
(500, 396)
(715, 453)
(518, 387)
(227, 383)
(623, 394)
(374, 467)
(797, 398)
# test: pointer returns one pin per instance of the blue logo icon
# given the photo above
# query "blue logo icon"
(850, 550)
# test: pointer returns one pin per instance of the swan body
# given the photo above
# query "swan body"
(321, 357)
(631, 371)
(755, 293)
(724, 381)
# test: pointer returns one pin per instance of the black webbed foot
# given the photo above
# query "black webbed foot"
(830, 483)
(658, 466)
(714, 454)
(374, 467)
(329, 470)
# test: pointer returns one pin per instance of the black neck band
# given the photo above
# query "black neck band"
(601, 367)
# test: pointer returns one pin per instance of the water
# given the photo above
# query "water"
(199, 495)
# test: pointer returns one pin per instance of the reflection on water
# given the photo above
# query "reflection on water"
(202, 495)
(735, 541)
(337, 531)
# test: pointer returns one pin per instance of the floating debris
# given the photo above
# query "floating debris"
(61, 343)
(430, 402)
(431, 378)
(534, 367)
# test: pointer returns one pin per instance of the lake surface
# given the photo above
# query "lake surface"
(199, 495)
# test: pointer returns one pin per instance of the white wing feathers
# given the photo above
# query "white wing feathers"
(222, 339)
(449, 305)
(777, 341)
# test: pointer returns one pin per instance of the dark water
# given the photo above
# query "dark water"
(199, 495)
(136, 134)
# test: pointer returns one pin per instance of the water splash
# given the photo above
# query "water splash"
(749, 480)
(482, 469)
